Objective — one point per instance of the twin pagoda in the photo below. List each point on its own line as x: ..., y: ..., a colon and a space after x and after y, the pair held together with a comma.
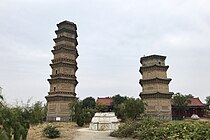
x: 155, y: 90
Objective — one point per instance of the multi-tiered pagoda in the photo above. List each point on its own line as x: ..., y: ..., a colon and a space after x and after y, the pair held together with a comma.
x: 64, y: 66
x: 155, y: 90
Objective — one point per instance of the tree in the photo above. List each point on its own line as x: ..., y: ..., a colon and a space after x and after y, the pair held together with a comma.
x: 1, y: 100
x: 180, y: 102
x: 189, y: 96
x: 37, y: 112
x: 100, y: 107
x: 82, y: 114
x: 118, y: 105
x: 207, y: 99
x: 89, y: 102
x: 15, y: 121
x: 133, y: 108
x: 117, y: 99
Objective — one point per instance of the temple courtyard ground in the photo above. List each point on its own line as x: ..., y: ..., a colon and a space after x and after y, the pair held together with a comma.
x: 69, y: 131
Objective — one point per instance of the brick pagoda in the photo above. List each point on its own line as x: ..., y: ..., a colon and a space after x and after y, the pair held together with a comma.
x: 64, y: 66
x: 155, y: 90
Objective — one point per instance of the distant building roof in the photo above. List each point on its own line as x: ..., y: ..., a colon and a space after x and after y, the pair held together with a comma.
x: 107, y: 101
x: 195, y: 102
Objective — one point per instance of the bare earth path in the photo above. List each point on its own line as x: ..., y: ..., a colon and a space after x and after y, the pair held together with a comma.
x: 69, y: 131
x: 86, y: 134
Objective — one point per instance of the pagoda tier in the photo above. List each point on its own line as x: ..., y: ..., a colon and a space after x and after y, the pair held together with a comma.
x: 58, y: 60
x: 65, y: 50
x: 64, y: 64
x: 152, y: 57
x: 64, y: 46
x: 73, y: 32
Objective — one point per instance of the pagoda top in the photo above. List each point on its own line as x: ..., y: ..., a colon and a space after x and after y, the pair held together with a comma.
x: 144, y: 58
x: 66, y: 24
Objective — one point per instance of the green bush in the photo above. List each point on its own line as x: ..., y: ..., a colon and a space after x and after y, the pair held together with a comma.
x: 51, y: 132
x: 125, y: 130
x: 154, y: 129
x: 80, y: 120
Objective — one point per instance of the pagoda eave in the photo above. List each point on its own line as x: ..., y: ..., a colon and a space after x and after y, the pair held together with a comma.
x: 62, y: 93
x: 59, y: 97
x: 64, y: 23
x: 64, y: 38
x: 152, y: 57
x: 63, y: 80
x: 154, y: 80
x: 57, y: 47
x: 65, y: 60
x: 156, y: 95
x: 153, y: 67
x: 63, y: 76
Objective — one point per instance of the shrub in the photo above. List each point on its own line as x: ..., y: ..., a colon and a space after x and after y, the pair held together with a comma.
x: 125, y: 130
x: 155, y: 130
x: 51, y: 132
x: 80, y: 120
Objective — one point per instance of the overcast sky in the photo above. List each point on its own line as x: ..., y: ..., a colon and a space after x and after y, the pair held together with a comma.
x: 112, y: 36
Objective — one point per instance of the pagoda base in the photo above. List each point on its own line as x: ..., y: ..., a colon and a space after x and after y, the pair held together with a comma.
x: 159, y: 116
x: 158, y: 108
x: 59, y: 108
x: 59, y: 119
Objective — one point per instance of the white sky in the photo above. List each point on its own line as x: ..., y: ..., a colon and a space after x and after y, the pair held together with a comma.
x: 112, y: 36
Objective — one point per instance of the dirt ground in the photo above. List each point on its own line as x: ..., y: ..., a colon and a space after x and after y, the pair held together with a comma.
x: 70, y: 131
x: 86, y: 134
x: 67, y: 130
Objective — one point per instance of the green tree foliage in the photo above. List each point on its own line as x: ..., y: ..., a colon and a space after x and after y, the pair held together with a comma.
x: 189, y: 96
x: 117, y: 99
x: 1, y: 100
x: 37, y: 113
x: 89, y: 102
x: 207, y: 99
x: 100, y: 107
x: 15, y: 121
x: 118, y: 105
x: 133, y: 108
x: 180, y: 102
x: 82, y: 114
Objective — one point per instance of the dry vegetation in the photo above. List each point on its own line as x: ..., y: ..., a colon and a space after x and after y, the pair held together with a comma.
x: 67, y: 131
